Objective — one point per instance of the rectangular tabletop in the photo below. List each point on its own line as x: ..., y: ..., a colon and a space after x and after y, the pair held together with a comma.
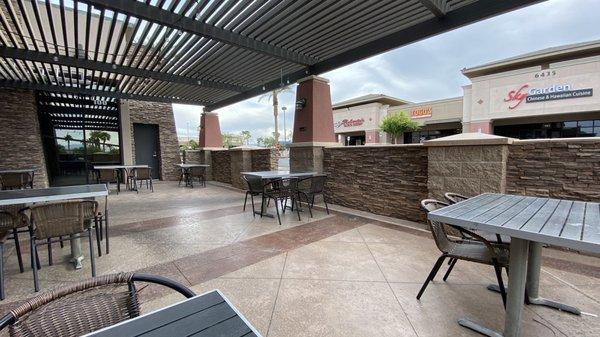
x: 566, y: 223
x: 279, y: 174
x: 25, y: 170
x: 209, y: 314
x: 14, y: 197
x: 191, y: 165
x: 117, y: 167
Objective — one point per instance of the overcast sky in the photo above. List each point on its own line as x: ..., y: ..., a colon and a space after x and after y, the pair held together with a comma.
x: 428, y: 69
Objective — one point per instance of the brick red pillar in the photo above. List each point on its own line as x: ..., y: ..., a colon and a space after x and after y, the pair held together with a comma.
x: 210, y: 131
x: 313, y: 125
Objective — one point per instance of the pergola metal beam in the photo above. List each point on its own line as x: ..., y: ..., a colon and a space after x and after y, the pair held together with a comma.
x: 177, y: 21
x: 437, y: 7
x: 93, y: 92
x: 459, y: 17
x: 30, y: 55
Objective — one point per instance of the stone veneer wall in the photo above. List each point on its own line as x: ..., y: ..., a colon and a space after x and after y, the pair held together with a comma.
x: 221, y: 166
x: 558, y: 168
x: 469, y: 170
x: 385, y: 180
x: 20, y: 139
x: 265, y: 160
x: 162, y: 115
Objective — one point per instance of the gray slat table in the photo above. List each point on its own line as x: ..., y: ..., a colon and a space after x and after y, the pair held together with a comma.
x: 530, y: 222
x: 209, y: 314
x: 16, y: 197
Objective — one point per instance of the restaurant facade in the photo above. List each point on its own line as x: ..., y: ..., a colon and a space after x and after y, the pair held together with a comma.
x: 551, y: 93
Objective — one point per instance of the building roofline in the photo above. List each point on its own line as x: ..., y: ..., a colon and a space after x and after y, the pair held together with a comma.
x: 547, y: 55
x: 370, y: 98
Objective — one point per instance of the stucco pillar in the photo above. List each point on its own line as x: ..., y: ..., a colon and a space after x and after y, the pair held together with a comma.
x: 313, y: 125
x: 210, y: 131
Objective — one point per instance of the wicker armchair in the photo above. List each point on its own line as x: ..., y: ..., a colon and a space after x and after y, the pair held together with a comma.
x: 49, y: 222
x: 93, y: 219
x: 198, y: 172
x: 280, y: 190
x: 142, y: 174
x: 255, y: 188
x: 7, y: 221
x: 310, y: 187
x: 477, y: 249
x: 84, y: 307
x: 107, y: 176
x: 15, y: 227
x: 16, y: 180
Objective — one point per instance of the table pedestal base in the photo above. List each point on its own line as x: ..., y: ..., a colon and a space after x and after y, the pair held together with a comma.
x: 469, y: 324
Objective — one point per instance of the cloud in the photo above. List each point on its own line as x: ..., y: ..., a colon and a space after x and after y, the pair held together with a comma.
x: 428, y: 69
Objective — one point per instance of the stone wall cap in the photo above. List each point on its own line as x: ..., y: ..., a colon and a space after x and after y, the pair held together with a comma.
x: 248, y: 148
x: 315, y: 144
x: 313, y: 77
x: 558, y: 140
x: 375, y: 145
x: 469, y: 138
x: 212, y: 149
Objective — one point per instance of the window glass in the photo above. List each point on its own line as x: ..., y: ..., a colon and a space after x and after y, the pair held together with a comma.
x: 570, y: 124
x: 586, y: 132
x: 585, y: 123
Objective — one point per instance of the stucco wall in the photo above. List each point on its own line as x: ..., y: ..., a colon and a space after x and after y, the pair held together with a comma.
x: 387, y: 180
x: 162, y: 115
x: 20, y: 139
x: 561, y: 168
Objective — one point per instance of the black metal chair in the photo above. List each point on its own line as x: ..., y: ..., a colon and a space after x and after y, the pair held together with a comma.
x: 142, y: 174
x: 310, y: 187
x: 83, y: 307
x: 107, y: 176
x: 477, y: 249
x: 198, y: 172
x: 255, y: 188
x: 16, y: 180
x: 280, y: 190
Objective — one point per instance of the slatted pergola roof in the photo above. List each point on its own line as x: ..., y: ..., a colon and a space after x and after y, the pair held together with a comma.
x: 208, y: 52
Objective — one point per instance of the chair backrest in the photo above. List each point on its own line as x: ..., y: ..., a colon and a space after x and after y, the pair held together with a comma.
x: 143, y: 173
x: 255, y: 184
x: 7, y: 221
x: 317, y: 184
x: 440, y: 237
x: 83, y: 307
x: 107, y: 175
x: 454, y: 198
x: 197, y: 171
x: 284, y: 186
x: 15, y: 180
x: 57, y: 219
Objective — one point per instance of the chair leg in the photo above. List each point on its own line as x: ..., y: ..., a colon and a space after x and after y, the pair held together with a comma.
x: 62, y: 244
x: 326, y: 207
x: 245, y: 200
x: 431, y: 275
x: 298, y: 208
x: 252, y: 201
x: 92, y: 254
x: 277, y: 210
x: 151, y: 186
x: 498, y: 271
x: 2, y: 295
x: 98, y: 231
x: 452, y: 263
x: 36, y: 281
x: 18, y: 249
x: 49, y: 252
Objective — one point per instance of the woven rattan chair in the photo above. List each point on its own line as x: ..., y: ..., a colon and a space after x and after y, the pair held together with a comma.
x: 197, y: 172
x: 83, y: 307
x: 7, y: 220
x: 255, y: 188
x: 16, y: 227
x: 477, y: 249
x: 454, y: 198
x: 142, y: 174
x: 310, y: 187
x: 15, y: 180
x: 107, y: 176
x: 93, y: 218
x: 50, y: 221
x: 280, y: 190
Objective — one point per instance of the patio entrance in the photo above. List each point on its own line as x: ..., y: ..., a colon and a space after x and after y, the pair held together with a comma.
x: 78, y: 132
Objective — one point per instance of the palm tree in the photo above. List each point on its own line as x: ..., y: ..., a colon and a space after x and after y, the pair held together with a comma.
x: 100, y: 136
x: 273, y: 95
x: 68, y: 138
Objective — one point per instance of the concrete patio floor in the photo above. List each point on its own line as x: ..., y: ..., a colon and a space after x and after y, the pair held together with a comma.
x: 332, y: 275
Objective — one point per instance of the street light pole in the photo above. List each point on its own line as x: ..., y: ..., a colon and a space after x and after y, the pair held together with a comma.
x: 284, y: 128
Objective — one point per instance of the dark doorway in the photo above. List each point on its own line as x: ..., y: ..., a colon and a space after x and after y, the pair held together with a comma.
x: 145, y: 137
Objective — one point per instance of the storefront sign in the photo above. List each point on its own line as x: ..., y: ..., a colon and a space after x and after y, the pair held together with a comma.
x: 347, y: 123
x: 421, y: 112
x: 551, y: 93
